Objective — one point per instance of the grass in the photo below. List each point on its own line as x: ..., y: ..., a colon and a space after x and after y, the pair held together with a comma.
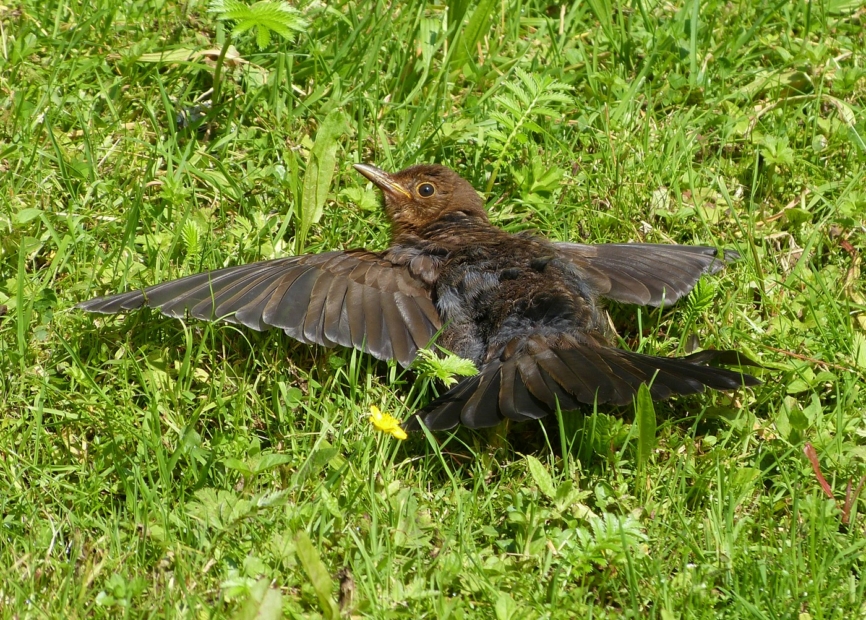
x: 151, y: 467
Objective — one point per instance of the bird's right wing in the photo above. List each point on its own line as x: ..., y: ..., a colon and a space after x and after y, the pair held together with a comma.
x: 644, y: 273
x: 530, y: 383
x: 354, y: 299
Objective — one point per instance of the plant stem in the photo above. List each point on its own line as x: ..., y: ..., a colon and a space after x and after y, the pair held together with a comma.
x: 492, y: 179
x: 217, y: 75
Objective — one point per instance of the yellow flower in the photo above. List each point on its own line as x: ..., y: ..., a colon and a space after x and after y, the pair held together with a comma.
x: 386, y: 423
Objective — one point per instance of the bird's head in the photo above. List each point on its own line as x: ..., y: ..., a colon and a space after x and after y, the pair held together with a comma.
x: 419, y: 195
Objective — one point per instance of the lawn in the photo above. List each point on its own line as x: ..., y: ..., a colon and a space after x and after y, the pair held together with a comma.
x: 151, y: 467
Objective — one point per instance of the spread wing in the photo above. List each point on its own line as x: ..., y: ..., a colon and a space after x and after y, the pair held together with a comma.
x: 529, y: 384
x: 645, y: 274
x: 354, y: 299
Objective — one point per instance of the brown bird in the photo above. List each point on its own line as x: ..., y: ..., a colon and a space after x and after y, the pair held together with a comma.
x: 524, y: 309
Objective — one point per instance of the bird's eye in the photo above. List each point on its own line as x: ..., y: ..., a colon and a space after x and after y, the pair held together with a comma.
x: 425, y: 190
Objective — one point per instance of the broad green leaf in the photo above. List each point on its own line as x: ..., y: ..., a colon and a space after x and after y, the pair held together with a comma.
x: 781, y: 420
x: 331, y: 503
x: 541, y: 477
x: 505, y: 608
x: 798, y: 419
x: 318, y: 575
x: 745, y: 476
x: 189, y: 55
x: 645, y: 418
x: 269, y: 461
x: 271, y: 498
x: 846, y: 113
x: 182, y: 54
x: 25, y: 215
x: 860, y: 350
x: 320, y: 171
x: 239, y: 466
x: 263, y: 603
x: 804, y: 381
x: 314, y: 463
x: 813, y: 410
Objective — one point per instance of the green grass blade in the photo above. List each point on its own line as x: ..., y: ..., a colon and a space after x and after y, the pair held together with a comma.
x: 645, y: 420
x: 467, y: 39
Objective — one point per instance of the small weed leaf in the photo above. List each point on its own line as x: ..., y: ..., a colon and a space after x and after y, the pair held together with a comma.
x: 444, y: 368
x: 191, y: 236
x: 699, y: 301
x: 265, y: 17
x: 517, y: 112
x: 610, y: 539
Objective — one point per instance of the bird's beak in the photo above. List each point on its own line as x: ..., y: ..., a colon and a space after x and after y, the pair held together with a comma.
x: 383, y: 180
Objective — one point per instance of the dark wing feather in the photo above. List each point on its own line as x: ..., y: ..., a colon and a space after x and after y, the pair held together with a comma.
x: 444, y: 412
x: 534, y: 382
x: 482, y: 408
x: 402, y: 344
x: 353, y: 298
x: 538, y: 376
x: 417, y: 322
x: 377, y: 337
x: 313, y: 324
x: 515, y: 400
x: 333, y: 312
x: 292, y: 309
x: 644, y: 273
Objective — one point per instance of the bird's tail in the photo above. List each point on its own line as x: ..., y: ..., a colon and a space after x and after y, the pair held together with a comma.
x: 528, y: 384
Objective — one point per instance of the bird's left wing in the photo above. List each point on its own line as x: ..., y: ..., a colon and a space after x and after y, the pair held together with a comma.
x: 549, y: 372
x: 644, y: 273
x: 354, y: 299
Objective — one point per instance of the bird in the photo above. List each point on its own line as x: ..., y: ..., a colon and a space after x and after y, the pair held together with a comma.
x: 528, y: 311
